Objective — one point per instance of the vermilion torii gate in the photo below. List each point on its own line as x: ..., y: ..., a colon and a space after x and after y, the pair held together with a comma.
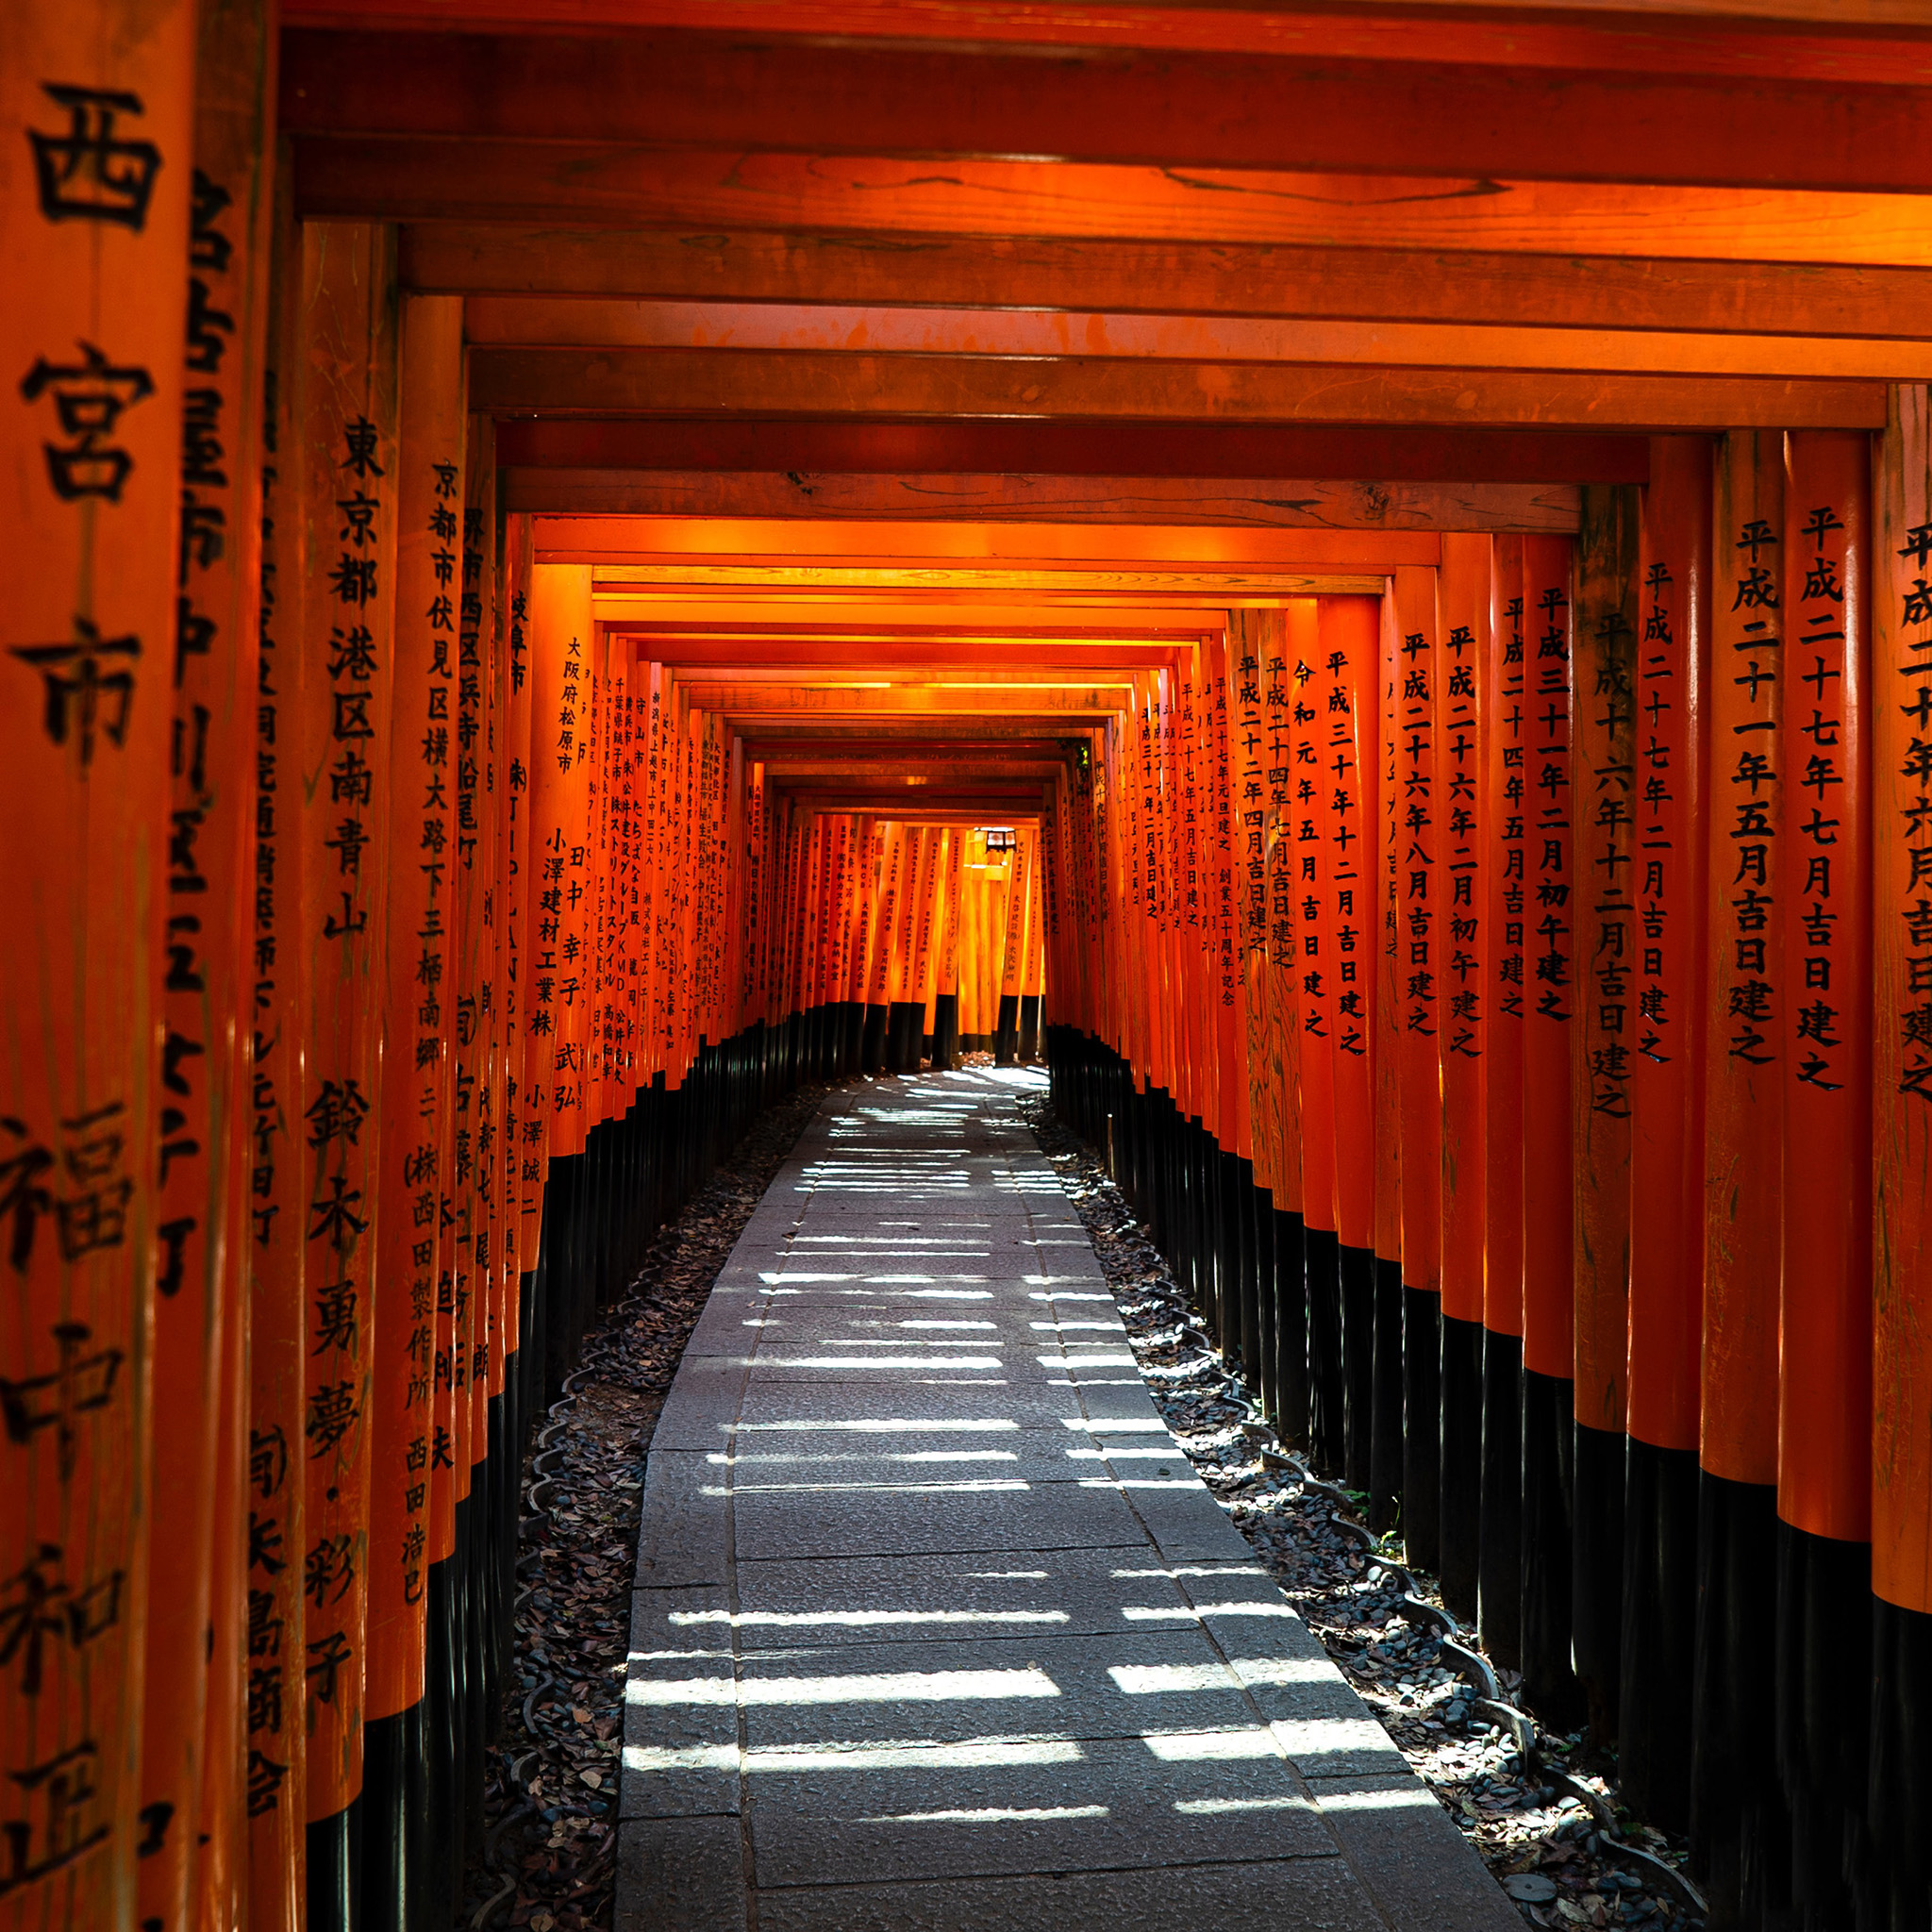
x: 545, y: 538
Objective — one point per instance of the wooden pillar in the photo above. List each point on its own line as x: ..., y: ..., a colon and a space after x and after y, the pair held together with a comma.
x: 1901, y: 1785
x: 1385, y: 1448
x: 347, y: 460
x: 96, y: 112
x: 1348, y: 634
x: 1604, y: 723
x: 1551, y: 995
x: 1503, y: 896
x: 1825, y: 1418
x: 1461, y: 852
x: 398, y: 1843
x: 278, y: 1101
x: 560, y: 642
x: 1668, y: 879
x: 1307, y: 696
x: 1735, y: 1800
x: 1284, y: 1005
x: 1422, y: 945
x: 194, y: 1756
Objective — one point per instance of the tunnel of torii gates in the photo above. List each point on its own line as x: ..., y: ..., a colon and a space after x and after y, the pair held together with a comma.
x: 525, y: 638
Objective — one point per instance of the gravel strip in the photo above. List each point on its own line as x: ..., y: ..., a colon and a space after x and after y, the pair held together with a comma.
x: 1549, y: 1853
x: 550, y: 1803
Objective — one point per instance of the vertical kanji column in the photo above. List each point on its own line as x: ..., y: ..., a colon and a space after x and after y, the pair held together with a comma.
x: 346, y: 462
x: 1901, y: 1790
x: 1734, y: 1799
x: 398, y: 1845
x: 1551, y: 995
x: 1423, y: 935
x: 1604, y: 715
x: 96, y: 115
x: 1824, y: 915
x: 1502, y: 676
x: 1667, y: 876
x: 1461, y: 847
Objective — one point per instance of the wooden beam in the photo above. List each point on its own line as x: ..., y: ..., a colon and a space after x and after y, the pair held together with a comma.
x: 1222, y: 504
x: 385, y: 177
x: 1124, y: 275
x: 635, y: 609
x: 1722, y: 37
x: 728, y: 657
x: 901, y: 329
x: 1313, y: 112
x: 630, y: 549
x: 759, y: 382
x: 806, y: 450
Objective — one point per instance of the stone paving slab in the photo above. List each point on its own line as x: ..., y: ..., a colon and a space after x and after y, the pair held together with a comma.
x: 936, y: 1629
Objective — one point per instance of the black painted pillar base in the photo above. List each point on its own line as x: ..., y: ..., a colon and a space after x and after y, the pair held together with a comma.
x: 873, y: 1050
x: 1267, y: 1312
x: 395, y: 1842
x: 1290, y: 1414
x: 905, y: 1018
x: 333, y: 1901
x: 1385, y: 1427
x: 1660, y: 1632
x: 1900, y: 1812
x: 1499, y: 1566
x: 1327, y: 1409
x: 1549, y: 1476
x: 1006, y: 1036
x: 1421, y: 1425
x: 1461, y: 1522
x: 1823, y: 1718
x: 1230, y: 1257
x: 1355, y: 1267
x: 1030, y: 1005
x: 1738, y: 1833
x: 1596, y: 1576
x: 945, y: 1030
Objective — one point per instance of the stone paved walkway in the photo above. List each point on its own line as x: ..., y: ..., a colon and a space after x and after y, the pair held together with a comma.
x: 935, y: 1628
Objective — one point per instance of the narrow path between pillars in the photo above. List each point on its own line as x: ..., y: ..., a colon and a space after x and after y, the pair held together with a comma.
x: 934, y: 1625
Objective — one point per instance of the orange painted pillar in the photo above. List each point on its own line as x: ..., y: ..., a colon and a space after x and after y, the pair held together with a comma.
x: 1386, y: 1447
x: 527, y: 1115
x: 1735, y: 1800
x: 1424, y: 948
x: 1668, y: 882
x: 277, y: 1100
x: 346, y: 460
x: 1902, y: 1086
x: 192, y: 1755
x: 1308, y: 688
x: 1503, y: 679
x: 1461, y: 854
x: 234, y: 79
x: 400, y: 1318
x: 1551, y: 994
x: 1604, y: 717
x: 1348, y: 634
x: 559, y: 642
x: 1247, y: 752
x: 96, y: 110
x: 1824, y: 1418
